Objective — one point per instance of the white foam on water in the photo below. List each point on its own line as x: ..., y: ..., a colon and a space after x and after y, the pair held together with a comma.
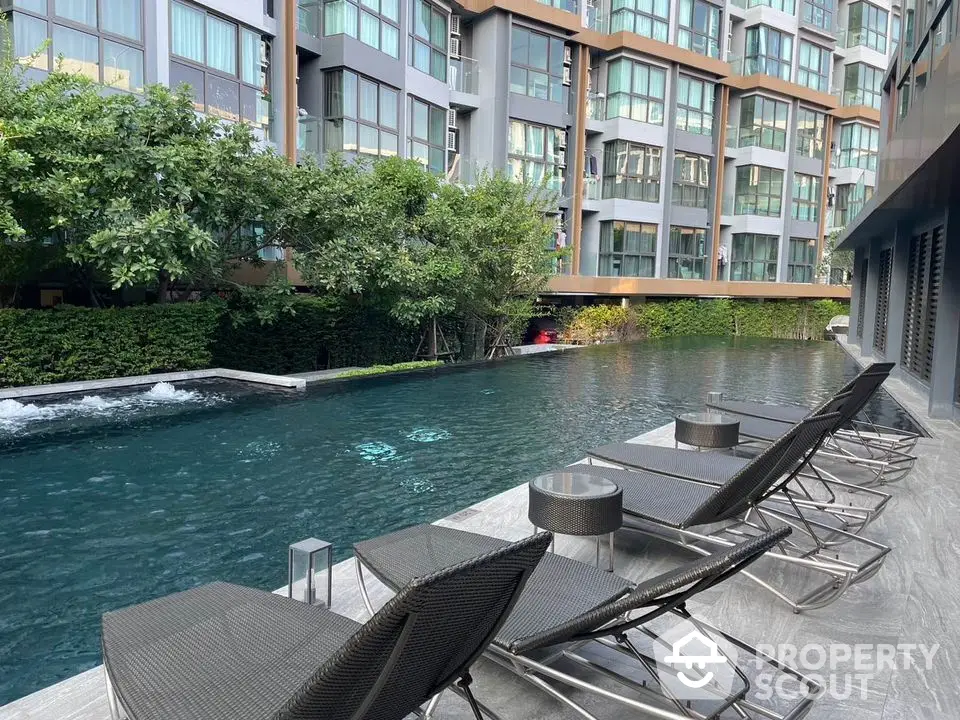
x: 16, y: 415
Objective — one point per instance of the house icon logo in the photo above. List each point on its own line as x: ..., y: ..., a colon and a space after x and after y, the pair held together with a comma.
x: 692, y: 665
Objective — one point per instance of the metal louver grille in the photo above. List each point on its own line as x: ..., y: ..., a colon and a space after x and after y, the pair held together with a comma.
x: 883, y: 301
x: 924, y: 280
x: 863, y: 298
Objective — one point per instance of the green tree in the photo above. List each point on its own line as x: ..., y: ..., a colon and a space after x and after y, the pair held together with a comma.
x: 834, y: 259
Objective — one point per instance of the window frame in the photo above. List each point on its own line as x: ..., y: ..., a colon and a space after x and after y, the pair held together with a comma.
x: 785, y: 6
x: 814, y: 78
x: 682, y: 187
x: 860, y: 91
x: 553, y: 70
x: 759, y: 63
x: 811, y: 144
x: 615, y: 183
x: 805, y: 197
x: 553, y: 171
x: 688, y: 34
x: 647, y: 233
x: 357, y: 117
x: 637, y: 99
x: 757, y: 128
x: 360, y: 7
x: 434, y: 50
x: 677, y: 258
x: 868, y: 33
x: 859, y: 153
x: 750, y: 202
x: 803, y: 261
x: 426, y: 141
x: 659, y: 24
x: 685, y: 110
x: 818, y: 13
x: 740, y: 261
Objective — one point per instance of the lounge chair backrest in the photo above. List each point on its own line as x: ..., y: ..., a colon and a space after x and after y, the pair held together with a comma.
x: 421, y: 641
x: 786, y: 455
x: 876, y: 368
x: 661, y: 594
x: 863, y: 388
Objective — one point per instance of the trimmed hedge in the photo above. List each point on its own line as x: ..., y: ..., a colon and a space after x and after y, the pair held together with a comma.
x: 800, y: 320
x: 72, y: 343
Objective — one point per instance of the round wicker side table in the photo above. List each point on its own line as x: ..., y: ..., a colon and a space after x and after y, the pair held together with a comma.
x: 574, y: 503
x: 707, y: 430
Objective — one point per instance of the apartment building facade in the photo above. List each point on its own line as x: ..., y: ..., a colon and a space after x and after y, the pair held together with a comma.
x: 695, y: 147
x: 905, y: 305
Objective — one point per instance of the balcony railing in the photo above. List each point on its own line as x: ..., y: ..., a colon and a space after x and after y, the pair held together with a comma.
x: 308, y: 136
x: 733, y: 136
x: 570, y: 6
x: 596, y: 107
x: 308, y: 17
x: 598, y: 21
x: 726, y: 207
x: 464, y: 75
x: 736, y: 63
x: 591, y: 188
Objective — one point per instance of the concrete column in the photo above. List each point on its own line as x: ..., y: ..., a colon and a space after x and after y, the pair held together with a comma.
x: 858, y: 256
x: 898, y: 294
x: 666, y: 183
x: 870, y: 310
x: 786, y: 202
x: 943, y: 380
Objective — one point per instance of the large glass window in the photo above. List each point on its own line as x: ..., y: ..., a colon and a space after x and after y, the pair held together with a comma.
x: 648, y: 18
x: 763, y: 123
x: 687, y: 253
x: 187, y: 32
x: 691, y: 180
x: 428, y: 129
x: 694, y: 105
x: 635, y: 90
x: 806, y: 197
x: 428, y: 41
x: 536, y: 65
x: 786, y: 6
x: 122, y: 66
x: 534, y: 154
x: 813, y: 67
x: 374, y: 22
x: 222, y: 45
x: 819, y: 13
x: 29, y: 35
x: 699, y: 28
x: 121, y: 17
x: 627, y: 249
x: 867, y: 26
x: 359, y: 115
x: 80, y: 11
x: 631, y: 171
x: 768, y: 52
x: 759, y: 191
x: 754, y: 257
x: 859, y: 145
x: 80, y: 52
x: 811, y: 129
x: 801, y: 260
x: 862, y: 85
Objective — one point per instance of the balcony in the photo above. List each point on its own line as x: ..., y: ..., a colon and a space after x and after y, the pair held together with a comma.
x: 463, y: 78
x: 598, y: 21
x: 733, y: 140
x: 308, y: 138
x: 737, y: 10
x: 569, y: 6
x: 464, y: 171
x: 596, y: 112
x: 591, y: 193
x: 308, y: 17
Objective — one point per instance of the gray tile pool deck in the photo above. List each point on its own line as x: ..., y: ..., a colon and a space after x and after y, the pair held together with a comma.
x: 913, y: 599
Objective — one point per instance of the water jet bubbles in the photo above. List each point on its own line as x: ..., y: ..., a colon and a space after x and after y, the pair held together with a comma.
x: 376, y: 452
x: 487, y: 391
x: 417, y: 486
x: 428, y: 435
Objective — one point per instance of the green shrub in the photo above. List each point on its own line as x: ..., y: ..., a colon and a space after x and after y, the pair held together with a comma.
x: 600, y: 323
x: 396, y: 367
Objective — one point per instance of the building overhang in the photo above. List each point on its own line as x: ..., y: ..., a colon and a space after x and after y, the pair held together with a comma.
x: 674, y: 287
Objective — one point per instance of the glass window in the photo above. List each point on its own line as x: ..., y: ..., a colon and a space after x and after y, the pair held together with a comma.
x: 786, y: 6
x: 536, y: 65
x: 687, y: 253
x: 375, y: 24
x: 862, y: 85
x: 428, y: 130
x: 903, y: 98
x: 359, y: 115
x: 754, y: 257
x: 648, y: 18
x: 122, y: 66
x: 921, y: 69
x: 37, y: 6
x: 768, y: 52
x: 763, y: 123
x: 867, y: 26
x: 81, y: 11
x: 813, y: 67
x: 635, y: 90
x: 801, y: 260
x: 806, y: 197
x: 79, y: 51
x: 818, y: 13
x: 250, y: 62
x: 811, y: 128
x: 759, y: 191
x: 859, y: 145
x: 121, y: 17
x: 187, y: 32
x: 631, y: 171
x: 428, y: 42
x: 895, y: 31
x: 534, y: 154
x: 694, y: 105
x: 29, y: 35
x: 699, y: 28
x: 221, y: 45
x: 691, y: 180
x: 627, y: 249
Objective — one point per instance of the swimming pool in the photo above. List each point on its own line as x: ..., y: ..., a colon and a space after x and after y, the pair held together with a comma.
x: 134, y: 497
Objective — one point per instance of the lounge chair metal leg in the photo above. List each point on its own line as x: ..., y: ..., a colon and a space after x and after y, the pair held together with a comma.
x: 111, y: 697
x: 363, y: 588
x: 464, y: 684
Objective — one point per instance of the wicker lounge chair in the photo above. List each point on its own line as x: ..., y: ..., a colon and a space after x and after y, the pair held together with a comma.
x: 225, y: 651
x: 572, y: 611
x: 702, y: 516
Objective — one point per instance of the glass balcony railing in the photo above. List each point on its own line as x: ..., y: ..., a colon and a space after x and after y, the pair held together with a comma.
x: 736, y: 63
x: 733, y: 136
x: 598, y: 21
x: 742, y: 4
x: 308, y: 136
x: 464, y: 75
x: 726, y: 207
x: 596, y: 107
x: 308, y: 17
x: 570, y: 6
x: 591, y: 188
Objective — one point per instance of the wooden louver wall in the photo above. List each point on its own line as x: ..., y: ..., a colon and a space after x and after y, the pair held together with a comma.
x: 924, y: 280
x: 863, y: 298
x: 883, y: 301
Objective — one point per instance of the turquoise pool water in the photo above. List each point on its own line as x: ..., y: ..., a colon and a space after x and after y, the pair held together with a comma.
x: 113, y: 500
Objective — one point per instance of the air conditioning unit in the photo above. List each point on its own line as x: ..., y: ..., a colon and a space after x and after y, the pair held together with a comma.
x: 264, y: 55
x: 567, y: 74
x: 560, y: 140
x: 455, y: 25
x: 454, y: 47
x: 452, y: 140
x: 452, y: 119
x: 567, y: 55
x: 562, y: 158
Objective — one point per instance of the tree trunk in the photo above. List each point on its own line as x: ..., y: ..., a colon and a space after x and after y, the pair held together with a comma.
x: 163, y: 286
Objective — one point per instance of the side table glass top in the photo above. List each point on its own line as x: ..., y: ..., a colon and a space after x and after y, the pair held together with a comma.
x: 708, y: 418
x: 570, y: 483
